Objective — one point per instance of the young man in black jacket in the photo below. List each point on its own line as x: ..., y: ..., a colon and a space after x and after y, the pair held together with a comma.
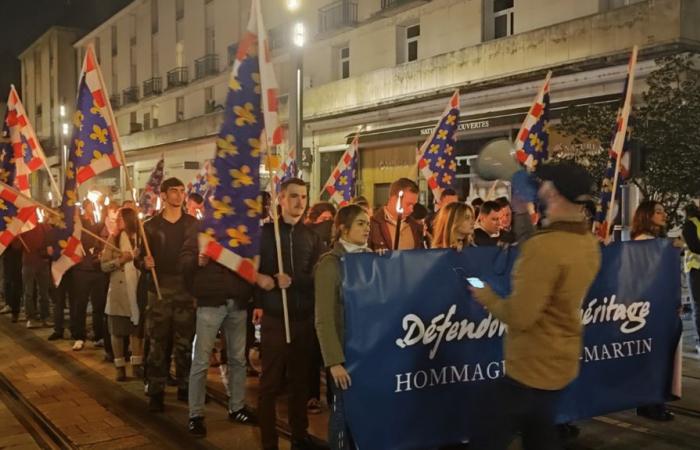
x: 300, y: 251
x: 172, y: 236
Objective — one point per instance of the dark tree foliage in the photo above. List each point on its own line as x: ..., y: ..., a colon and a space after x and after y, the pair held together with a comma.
x: 666, y: 126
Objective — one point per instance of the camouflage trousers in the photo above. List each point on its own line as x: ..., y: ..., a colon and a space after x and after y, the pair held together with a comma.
x: 171, y: 318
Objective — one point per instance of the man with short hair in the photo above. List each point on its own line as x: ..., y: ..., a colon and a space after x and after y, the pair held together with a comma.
x: 172, y: 236
x: 195, y: 205
x: 488, y: 230
x: 507, y: 234
x: 383, y: 223
x: 300, y: 248
x: 551, y: 276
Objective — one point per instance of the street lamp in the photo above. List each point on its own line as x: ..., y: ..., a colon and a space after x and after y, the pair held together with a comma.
x: 298, y: 37
x: 63, y: 157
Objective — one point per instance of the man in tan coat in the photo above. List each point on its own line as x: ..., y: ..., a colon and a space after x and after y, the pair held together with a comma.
x: 551, y: 277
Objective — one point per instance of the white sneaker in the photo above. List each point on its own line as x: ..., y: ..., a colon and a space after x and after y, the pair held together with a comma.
x: 32, y: 325
x: 6, y: 309
x: 78, y: 345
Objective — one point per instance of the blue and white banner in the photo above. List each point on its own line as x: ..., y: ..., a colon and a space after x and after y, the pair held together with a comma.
x: 420, y: 350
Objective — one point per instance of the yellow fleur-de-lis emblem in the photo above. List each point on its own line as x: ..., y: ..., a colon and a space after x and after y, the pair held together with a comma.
x: 254, y: 206
x: 343, y: 180
x: 442, y: 134
x: 63, y: 244
x: 213, y: 180
x: 3, y: 206
x: 96, y: 155
x: 234, y: 84
x: 79, y: 144
x: 70, y: 173
x: 434, y: 148
x: 447, y: 179
x: 535, y: 142
x: 99, y: 134
x: 72, y: 197
x: 239, y: 236
x: 210, y: 232
x: 222, y: 208
x: 95, y: 109
x: 78, y: 120
x: 226, y: 146
x: 241, y: 177
x: 448, y: 150
x: 451, y: 119
x: 254, y: 147
x: 441, y: 163
x: 245, y: 114
x: 453, y: 166
x: 256, y: 79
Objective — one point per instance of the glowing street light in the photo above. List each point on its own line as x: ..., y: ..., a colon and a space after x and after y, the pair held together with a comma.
x: 65, y: 129
x: 299, y: 34
x: 293, y: 5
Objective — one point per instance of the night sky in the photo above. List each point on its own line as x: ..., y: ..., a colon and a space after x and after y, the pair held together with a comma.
x: 23, y: 21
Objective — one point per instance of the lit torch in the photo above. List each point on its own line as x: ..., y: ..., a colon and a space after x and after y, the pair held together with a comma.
x: 94, y: 197
x: 399, y: 217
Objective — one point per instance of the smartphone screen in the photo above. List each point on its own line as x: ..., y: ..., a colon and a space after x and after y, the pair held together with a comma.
x: 477, y: 283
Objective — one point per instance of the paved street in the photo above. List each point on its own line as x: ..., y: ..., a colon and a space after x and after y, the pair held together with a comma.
x: 76, y: 394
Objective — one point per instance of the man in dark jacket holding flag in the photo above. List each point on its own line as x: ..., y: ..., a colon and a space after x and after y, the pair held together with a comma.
x: 301, y: 249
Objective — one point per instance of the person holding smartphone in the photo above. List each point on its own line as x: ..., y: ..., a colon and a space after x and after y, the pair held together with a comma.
x: 551, y: 276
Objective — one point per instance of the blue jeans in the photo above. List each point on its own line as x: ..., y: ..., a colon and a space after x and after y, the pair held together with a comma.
x: 339, y: 437
x: 232, y: 320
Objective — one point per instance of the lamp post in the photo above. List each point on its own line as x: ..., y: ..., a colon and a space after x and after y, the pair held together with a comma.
x: 296, y: 117
x: 62, y: 148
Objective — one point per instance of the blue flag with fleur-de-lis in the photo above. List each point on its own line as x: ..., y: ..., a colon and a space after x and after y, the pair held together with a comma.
x: 231, y: 225
x: 148, y: 202
x: 93, y: 150
x: 437, y: 161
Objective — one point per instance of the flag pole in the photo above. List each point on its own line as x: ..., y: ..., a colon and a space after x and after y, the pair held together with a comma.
x: 129, y: 184
x: 280, y: 261
x: 619, y: 143
x: 55, y: 213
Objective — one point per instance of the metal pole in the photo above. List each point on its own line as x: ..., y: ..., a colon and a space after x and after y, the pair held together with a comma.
x: 300, y: 105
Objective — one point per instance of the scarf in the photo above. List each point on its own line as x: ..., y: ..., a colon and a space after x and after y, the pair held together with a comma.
x: 353, y: 248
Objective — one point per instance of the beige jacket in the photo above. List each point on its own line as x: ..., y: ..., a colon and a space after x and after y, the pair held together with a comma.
x: 550, y: 279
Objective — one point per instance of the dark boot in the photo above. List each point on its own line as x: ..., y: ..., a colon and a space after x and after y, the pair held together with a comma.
x: 156, y: 403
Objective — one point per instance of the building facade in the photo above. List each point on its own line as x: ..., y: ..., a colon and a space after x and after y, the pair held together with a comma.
x: 48, y: 90
x: 387, y: 65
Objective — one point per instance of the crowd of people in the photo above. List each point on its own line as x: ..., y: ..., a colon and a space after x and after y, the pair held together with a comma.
x: 177, y: 321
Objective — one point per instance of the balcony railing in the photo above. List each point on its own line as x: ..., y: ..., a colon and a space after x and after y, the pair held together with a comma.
x: 388, y: 4
x: 130, y: 95
x: 206, y: 65
x: 115, y: 101
x: 177, y: 77
x: 337, y: 15
x: 154, y: 86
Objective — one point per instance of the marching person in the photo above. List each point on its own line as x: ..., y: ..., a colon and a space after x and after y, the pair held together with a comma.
x: 222, y: 303
x: 488, y: 229
x: 300, y: 248
x: 649, y: 222
x: 551, y: 276
x: 122, y: 309
x: 89, y: 283
x: 454, y: 227
x: 383, y: 224
x: 36, y: 273
x: 691, y: 236
x: 351, y: 233
x: 172, y: 236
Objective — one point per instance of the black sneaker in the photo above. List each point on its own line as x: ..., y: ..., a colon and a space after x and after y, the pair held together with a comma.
x: 55, y: 336
x: 183, y: 395
x: 307, y: 443
x: 156, y: 403
x: 244, y: 416
x: 196, y: 427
